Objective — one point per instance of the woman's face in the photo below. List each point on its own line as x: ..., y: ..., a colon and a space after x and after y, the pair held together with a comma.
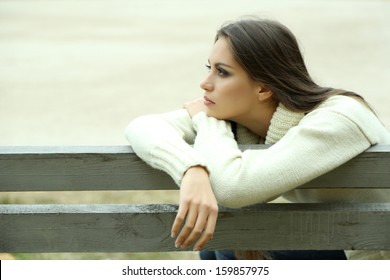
x: 230, y: 94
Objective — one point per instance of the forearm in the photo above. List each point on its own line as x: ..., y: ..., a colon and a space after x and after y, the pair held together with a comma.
x: 162, y: 142
x: 304, y: 153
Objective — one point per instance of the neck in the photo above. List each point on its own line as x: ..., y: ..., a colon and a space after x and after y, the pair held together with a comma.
x: 258, y: 120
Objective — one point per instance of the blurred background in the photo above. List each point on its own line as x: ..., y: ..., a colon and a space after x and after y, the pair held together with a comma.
x: 76, y: 72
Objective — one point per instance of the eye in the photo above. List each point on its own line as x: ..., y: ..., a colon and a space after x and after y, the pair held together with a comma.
x: 222, y: 72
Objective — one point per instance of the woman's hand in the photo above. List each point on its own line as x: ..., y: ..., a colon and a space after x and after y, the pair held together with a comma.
x: 197, y: 208
x: 195, y: 106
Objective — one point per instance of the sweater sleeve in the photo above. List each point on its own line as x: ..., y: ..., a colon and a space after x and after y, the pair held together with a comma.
x: 163, y: 141
x: 322, y: 141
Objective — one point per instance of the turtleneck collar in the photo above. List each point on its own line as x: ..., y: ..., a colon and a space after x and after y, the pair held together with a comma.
x: 282, y: 120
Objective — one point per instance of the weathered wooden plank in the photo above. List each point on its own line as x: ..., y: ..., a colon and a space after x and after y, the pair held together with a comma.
x: 118, y: 168
x: 77, y: 168
x: 146, y: 228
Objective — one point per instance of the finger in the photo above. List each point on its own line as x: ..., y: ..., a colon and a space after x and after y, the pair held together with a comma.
x: 208, y: 233
x: 188, y: 226
x: 180, y: 217
x: 206, y: 236
x: 192, y: 102
x: 185, y: 105
x: 197, y: 230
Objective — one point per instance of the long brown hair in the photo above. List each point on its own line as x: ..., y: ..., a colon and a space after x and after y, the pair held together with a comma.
x: 270, y: 54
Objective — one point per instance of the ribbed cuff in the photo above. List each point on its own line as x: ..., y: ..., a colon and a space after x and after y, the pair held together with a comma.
x: 176, y: 160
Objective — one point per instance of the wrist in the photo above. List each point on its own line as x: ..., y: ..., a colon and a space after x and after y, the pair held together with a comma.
x: 197, y: 170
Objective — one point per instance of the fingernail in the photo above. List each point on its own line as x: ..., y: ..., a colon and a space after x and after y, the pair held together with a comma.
x: 177, y: 245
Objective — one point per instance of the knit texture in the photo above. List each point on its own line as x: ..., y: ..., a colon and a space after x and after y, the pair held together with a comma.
x: 162, y: 141
x: 281, y: 122
x: 304, y: 147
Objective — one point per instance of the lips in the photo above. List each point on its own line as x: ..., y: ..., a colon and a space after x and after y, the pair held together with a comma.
x: 208, y: 100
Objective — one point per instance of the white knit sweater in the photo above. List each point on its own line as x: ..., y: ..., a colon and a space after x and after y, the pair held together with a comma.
x: 303, y: 148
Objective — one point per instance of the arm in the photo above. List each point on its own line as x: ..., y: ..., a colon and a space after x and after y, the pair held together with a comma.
x: 198, y: 208
x: 163, y: 140
x: 322, y: 141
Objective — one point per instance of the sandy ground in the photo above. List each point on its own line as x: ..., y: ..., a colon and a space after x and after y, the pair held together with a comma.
x: 76, y: 72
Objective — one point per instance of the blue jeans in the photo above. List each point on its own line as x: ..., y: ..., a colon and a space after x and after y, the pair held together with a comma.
x: 279, y: 255
x: 217, y: 255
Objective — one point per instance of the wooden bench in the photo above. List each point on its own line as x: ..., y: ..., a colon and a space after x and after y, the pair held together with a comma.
x: 146, y: 228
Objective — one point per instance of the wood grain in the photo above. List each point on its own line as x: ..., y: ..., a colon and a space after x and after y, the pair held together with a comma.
x: 119, y: 168
x: 146, y: 228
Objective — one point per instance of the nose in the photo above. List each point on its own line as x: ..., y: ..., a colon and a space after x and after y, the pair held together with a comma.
x: 206, y: 84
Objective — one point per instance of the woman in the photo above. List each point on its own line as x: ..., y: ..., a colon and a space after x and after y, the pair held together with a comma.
x: 258, y: 90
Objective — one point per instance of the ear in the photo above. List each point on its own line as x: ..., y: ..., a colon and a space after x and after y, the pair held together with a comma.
x: 264, y: 94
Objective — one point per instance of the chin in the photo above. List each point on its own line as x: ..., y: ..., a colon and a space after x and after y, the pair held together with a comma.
x: 211, y: 114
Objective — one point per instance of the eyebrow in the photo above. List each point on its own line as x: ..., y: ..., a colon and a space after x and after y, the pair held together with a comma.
x: 221, y: 64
